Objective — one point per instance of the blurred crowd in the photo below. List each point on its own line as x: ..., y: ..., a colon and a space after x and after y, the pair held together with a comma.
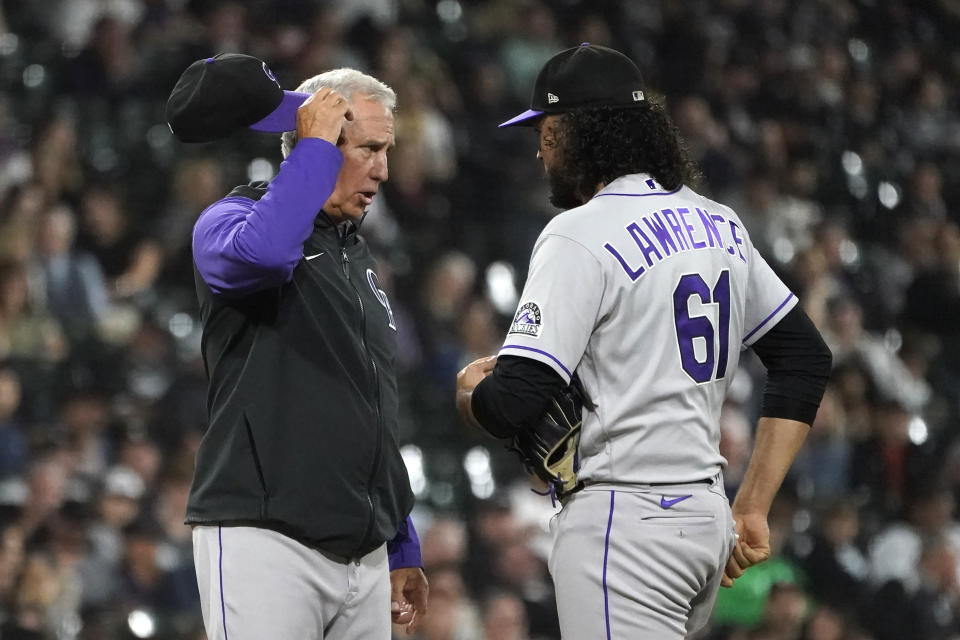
x: 830, y: 126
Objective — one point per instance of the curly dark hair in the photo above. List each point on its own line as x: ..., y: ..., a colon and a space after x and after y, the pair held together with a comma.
x: 600, y: 144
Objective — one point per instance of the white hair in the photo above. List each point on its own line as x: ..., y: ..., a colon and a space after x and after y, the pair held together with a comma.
x: 349, y: 82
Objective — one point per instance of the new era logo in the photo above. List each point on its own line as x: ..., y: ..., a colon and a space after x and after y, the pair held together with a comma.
x: 638, y: 96
x: 552, y: 98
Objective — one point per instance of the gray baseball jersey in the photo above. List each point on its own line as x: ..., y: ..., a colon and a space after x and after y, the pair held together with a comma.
x: 649, y: 295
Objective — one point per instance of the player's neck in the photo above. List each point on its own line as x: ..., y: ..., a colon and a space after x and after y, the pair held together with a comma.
x: 600, y: 185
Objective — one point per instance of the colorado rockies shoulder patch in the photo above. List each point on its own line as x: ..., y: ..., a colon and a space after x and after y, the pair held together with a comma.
x: 527, y: 320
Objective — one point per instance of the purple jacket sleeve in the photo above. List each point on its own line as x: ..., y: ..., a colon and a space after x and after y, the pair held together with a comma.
x: 404, y: 549
x: 241, y: 245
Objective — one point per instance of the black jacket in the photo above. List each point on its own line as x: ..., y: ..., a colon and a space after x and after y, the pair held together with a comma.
x: 303, y: 403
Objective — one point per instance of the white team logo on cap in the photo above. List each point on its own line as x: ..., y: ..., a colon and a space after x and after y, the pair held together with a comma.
x: 269, y: 73
x: 552, y: 98
x: 527, y: 320
x: 638, y: 96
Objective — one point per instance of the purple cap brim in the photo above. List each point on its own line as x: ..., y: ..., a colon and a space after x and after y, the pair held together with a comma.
x: 521, y: 119
x: 284, y: 117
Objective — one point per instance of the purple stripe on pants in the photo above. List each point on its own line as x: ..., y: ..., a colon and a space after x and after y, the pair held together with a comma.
x: 223, y: 604
x: 606, y: 551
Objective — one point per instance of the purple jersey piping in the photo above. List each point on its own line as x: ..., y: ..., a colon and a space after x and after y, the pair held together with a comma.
x: 540, y: 351
x: 767, y: 319
x: 639, y: 195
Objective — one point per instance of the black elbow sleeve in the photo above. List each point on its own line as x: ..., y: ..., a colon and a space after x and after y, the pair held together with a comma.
x: 516, y: 393
x: 798, y: 364
x: 485, y: 405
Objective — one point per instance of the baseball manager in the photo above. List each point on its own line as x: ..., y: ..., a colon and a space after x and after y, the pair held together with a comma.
x: 300, y: 498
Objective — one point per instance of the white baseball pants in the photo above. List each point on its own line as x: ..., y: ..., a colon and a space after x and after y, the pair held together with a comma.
x: 640, y: 562
x: 257, y: 584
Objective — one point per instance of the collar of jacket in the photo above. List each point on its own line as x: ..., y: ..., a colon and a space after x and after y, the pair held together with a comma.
x: 346, y: 231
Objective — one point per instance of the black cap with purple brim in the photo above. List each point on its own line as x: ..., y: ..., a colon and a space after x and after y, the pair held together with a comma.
x: 586, y: 76
x: 218, y: 96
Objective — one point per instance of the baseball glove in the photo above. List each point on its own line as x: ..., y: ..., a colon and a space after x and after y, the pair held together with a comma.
x: 548, y: 447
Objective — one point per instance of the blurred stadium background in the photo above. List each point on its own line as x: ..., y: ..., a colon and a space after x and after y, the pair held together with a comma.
x: 831, y: 126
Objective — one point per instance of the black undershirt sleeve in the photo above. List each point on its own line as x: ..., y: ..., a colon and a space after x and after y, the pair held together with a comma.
x: 513, y: 395
x: 798, y: 366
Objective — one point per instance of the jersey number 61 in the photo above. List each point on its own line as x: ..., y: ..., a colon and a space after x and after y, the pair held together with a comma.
x: 689, y: 328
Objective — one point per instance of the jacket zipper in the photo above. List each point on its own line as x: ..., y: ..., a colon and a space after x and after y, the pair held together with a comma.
x: 345, y: 263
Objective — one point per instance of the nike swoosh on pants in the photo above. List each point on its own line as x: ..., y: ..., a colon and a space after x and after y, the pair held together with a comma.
x: 667, y: 503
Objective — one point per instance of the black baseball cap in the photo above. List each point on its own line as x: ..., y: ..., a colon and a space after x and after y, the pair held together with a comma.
x: 217, y: 96
x: 586, y: 76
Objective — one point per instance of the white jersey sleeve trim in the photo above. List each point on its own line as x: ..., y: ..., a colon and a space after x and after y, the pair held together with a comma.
x: 539, y: 355
x: 771, y: 320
